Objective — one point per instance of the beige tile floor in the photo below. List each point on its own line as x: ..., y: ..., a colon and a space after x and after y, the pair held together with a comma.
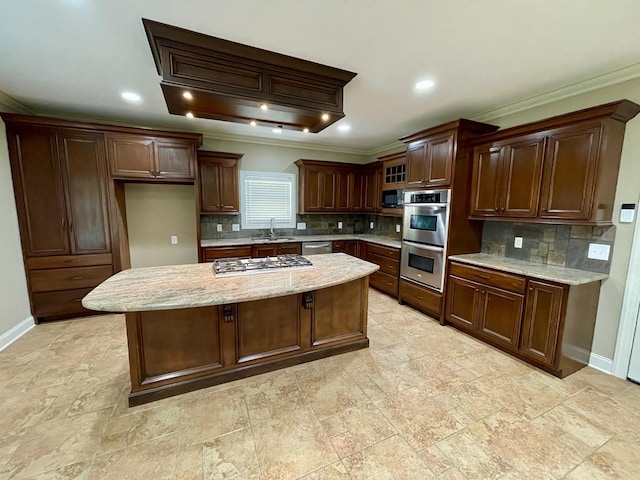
x: 423, y: 402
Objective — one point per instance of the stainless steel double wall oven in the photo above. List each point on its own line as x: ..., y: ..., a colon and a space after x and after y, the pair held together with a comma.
x: 424, y: 238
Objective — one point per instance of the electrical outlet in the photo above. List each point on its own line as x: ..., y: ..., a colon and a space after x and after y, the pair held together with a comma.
x: 370, y: 224
x: 339, y: 225
x: 301, y: 226
x: 397, y: 228
x: 219, y: 227
x: 599, y: 251
x: 517, y: 242
x: 174, y: 239
x: 235, y: 227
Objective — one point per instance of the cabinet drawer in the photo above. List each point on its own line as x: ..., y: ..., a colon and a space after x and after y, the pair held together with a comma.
x: 66, y: 302
x: 64, y: 261
x: 494, y: 278
x: 384, y: 251
x: 386, y: 283
x: 210, y: 254
x: 387, y: 265
x: 424, y: 299
x: 68, y: 278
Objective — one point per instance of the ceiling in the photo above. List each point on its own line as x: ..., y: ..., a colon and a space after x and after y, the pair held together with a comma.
x: 75, y: 57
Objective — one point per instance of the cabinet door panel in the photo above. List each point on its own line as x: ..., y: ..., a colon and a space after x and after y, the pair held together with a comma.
x: 290, y: 249
x: 257, y: 339
x: 83, y: 160
x: 328, y: 186
x: 522, y: 178
x: 342, y: 190
x: 175, y: 160
x: 209, y: 187
x: 500, y: 314
x: 439, y: 161
x: 461, y: 305
x: 39, y: 191
x: 312, y: 190
x: 131, y: 156
x: 570, y: 167
x: 540, y: 326
x: 337, y: 313
x: 262, y: 251
x: 372, y: 193
x: 229, y: 196
x: 416, y: 164
x: 356, y: 190
x: 485, y: 190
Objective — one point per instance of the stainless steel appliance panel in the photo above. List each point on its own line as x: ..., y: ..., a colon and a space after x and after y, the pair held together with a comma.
x: 313, y: 248
x: 423, y: 264
x: 426, y: 223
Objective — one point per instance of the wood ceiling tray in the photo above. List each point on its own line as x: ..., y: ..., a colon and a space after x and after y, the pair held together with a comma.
x: 230, y: 81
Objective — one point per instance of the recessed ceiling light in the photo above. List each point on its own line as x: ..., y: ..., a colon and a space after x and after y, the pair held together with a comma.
x: 278, y: 129
x: 253, y: 123
x: 425, y: 84
x: 187, y: 95
x: 264, y: 107
x: 131, y: 97
x: 325, y: 117
x: 305, y: 130
x: 344, y: 127
x: 189, y: 115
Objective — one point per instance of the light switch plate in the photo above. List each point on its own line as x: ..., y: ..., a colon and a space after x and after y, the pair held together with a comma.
x: 174, y: 239
x: 627, y: 212
x: 301, y: 226
x: 339, y: 225
x: 599, y: 251
x: 219, y: 227
x: 397, y: 228
x: 370, y: 224
x: 517, y: 242
x: 235, y: 227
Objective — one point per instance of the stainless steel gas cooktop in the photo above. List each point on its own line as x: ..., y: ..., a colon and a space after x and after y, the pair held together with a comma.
x: 229, y: 267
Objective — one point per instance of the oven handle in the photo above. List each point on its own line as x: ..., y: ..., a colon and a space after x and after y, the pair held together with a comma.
x: 424, y: 246
x: 427, y: 205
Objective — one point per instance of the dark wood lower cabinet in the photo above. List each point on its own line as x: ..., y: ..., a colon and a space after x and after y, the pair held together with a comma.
x: 387, y: 258
x: 422, y: 298
x: 547, y: 324
x: 176, y: 351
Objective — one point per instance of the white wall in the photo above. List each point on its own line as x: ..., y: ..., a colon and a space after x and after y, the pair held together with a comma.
x: 628, y: 191
x: 14, y: 297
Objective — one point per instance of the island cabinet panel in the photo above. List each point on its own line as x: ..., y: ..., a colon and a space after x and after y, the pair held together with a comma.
x: 258, y: 339
x: 338, y: 313
x: 209, y: 254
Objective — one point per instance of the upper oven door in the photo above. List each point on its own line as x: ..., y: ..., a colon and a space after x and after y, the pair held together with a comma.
x: 425, y: 223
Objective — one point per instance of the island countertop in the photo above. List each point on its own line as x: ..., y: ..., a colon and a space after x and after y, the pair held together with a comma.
x: 189, y: 286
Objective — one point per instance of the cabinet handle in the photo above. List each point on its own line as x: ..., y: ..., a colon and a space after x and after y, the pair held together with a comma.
x: 76, y: 278
x: 483, y: 292
x: 484, y: 276
x: 71, y: 225
x: 419, y: 297
x: 544, y: 209
x: 531, y: 289
x: 502, y: 209
x: 496, y: 209
x: 71, y: 261
x: 62, y: 223
x: 151, y: 173
x: 477, y: 289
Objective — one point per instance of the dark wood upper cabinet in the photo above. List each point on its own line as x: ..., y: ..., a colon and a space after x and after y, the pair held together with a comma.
x: 559, y: 170
x: 429, y: 161
x: 394, y: 171
x: 337, y: 187
x: 507, y: 178
x: 570, y: 173
x: 218, y: 182
x: 157, y: 158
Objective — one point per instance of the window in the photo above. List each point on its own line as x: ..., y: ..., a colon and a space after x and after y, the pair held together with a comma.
x: 266, y: 195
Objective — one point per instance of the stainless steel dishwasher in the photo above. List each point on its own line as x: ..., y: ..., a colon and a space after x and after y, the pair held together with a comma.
x: 312, y: 248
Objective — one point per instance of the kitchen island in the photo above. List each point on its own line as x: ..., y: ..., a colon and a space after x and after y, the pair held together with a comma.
x: 188, y: 329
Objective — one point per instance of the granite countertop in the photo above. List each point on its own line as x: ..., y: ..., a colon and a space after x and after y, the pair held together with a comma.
x: 568, y: 276
x: 187, y: 286
x: 234, y: 242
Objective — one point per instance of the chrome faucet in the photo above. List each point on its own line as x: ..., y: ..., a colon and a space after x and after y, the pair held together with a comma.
x: 272, y: 234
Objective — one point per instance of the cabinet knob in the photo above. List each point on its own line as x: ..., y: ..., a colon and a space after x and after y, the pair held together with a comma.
x: 544, y: 209
x: 62, y: 223
x: 496, y: 209
x: 531, y: 289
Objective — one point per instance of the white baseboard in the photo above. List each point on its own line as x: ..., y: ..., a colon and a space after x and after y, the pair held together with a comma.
x: 16, y: 332
x: 601, y: 363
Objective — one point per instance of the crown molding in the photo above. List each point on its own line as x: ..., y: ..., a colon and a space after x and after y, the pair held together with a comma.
x: 630, y: 72
x: 283, y: 143
x: 386, y: 148
x: 10, y: 104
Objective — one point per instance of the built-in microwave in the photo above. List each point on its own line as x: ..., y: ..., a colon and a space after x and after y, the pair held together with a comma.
x: 392, y: 198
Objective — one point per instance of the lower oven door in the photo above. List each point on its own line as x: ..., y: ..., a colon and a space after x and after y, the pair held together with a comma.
x: 423, y: 264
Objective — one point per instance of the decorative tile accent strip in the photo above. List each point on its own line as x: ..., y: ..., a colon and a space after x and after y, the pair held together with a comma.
x: 560, y: 245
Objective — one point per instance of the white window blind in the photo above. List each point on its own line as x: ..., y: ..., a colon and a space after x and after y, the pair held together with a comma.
x: 266, y: 195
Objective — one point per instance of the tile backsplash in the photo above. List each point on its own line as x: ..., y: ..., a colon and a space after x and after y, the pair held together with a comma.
x: 562, y: 245
x: 317, y: 224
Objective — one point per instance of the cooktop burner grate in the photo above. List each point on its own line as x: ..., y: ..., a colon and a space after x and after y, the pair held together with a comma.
x: 228, y: 267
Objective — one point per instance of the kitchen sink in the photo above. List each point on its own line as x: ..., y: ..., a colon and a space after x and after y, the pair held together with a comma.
x: 271, y: 239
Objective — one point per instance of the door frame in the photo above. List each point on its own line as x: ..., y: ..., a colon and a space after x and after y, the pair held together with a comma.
x: 630, y: 313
